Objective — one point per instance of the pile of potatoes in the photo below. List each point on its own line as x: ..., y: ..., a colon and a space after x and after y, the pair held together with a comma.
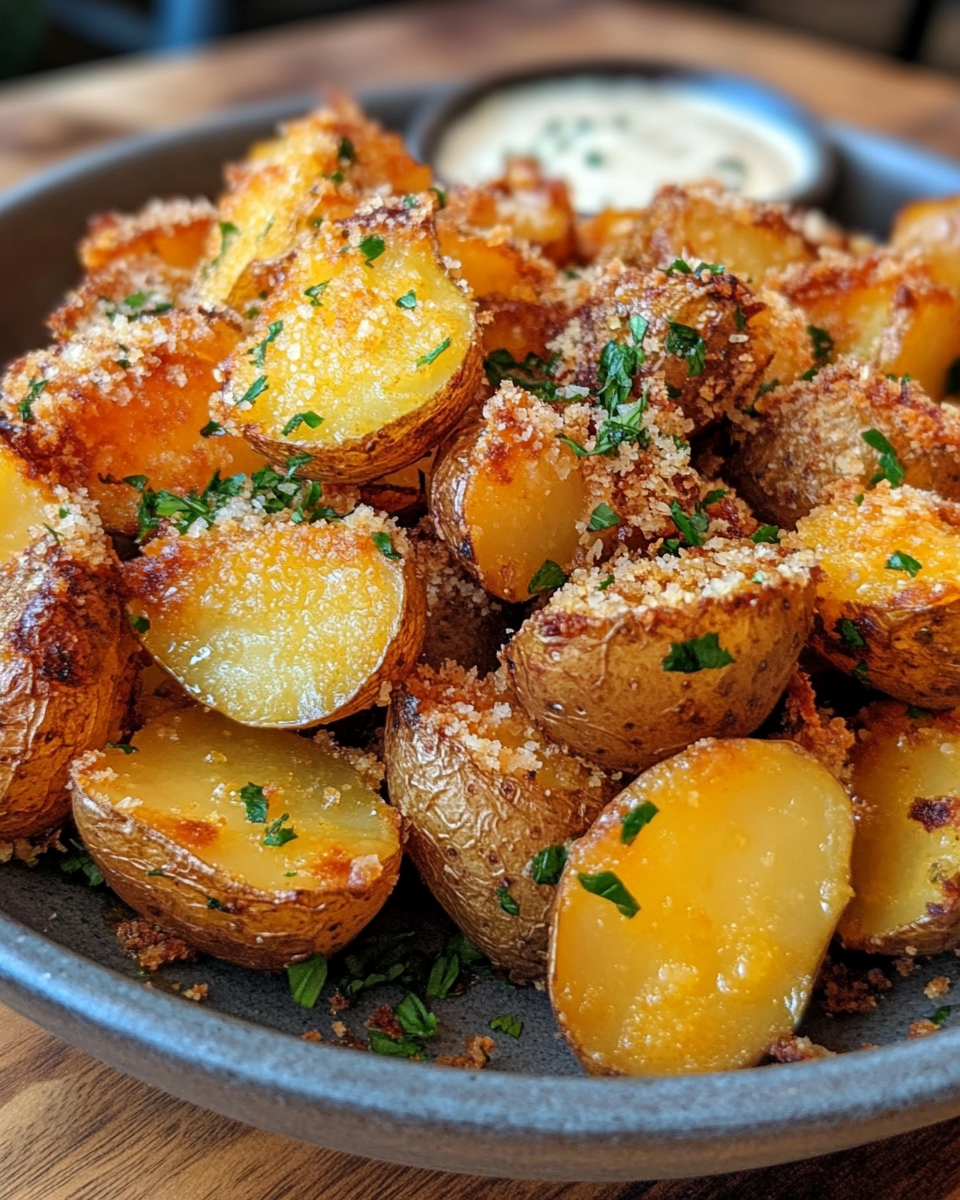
x: 564, y: 499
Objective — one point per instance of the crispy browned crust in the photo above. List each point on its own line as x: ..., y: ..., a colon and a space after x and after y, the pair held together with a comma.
x: 171, y: 231
x: 252, y: 928
x: 825, y: 736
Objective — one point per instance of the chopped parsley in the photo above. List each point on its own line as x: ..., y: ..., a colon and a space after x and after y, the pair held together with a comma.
x: 511, y: 1026
x: 310, y: 419
x: 123, y: 747
x: 941, y: 1014
x: 315, y: 292
x: 507, y: 902
x: 849, y: 634
x: 80, y: 860
x: 213, y: 902
x: 900, y: 561
x: 306, y: 980
x: 692, y: 526
x: 615, y: 431
x: 443, y: 976
x: 608, y: 885
x: 686, y: 343
x: 276, y: 835
x: 258, y: 352
x: 632, y: 822
x: 861, y: 673
x: 407, y: 300
x: 766, y: 533
x: 441, y: 196
x: 915, y: 713
x: 212, y: 429
x: 372, y: 247
x: 53, y: 533
x: 25, y: 406
x: 890, y: 468
x: 547, y: 865
x: 139, y: 624
x: 384, y: 543
x: 405, y: 1047
x: 228, y: 232
x: 821, y: 348
x: 257, y: 388
x: 604, y: 583
x: 426, y: 359
x: 550, y: 575
x: 698, y: 654
x: 533, y: 374
x: 346, y: 152
x: 679, y: 265
x: 255, y: 802
x: 415, y: 1018
x: 602, y: 517
x: 740, y: 319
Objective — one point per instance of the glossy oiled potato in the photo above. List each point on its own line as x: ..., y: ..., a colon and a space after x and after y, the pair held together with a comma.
x: 67, y: 657
x: 906, y: 854
x: 632, y: 661
x: 888, y: 593
x: 279, y: 623
x: 482, y: 795
x: 363, y: 357
x: 256, y: 846
x: 692, y: 918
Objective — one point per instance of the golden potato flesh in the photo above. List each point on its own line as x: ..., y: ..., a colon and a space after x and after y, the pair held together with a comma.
x: 931, y: 228
x: 888, y: 593
x: 277, y: 623
x: 256, y: 846
x: 809, y: 435
x: 631, y: 661
x: 172, y: 232
x: 365, y: 355
x: 692, y: 918
x: 66, y: 652
x: 482, y: 795
x: 906, y: 854
x: 129, y: 397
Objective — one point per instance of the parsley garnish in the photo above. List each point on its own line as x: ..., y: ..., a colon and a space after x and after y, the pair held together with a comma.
x: 295, y: 462
x: 860, y: 673
x: 310, y: 419
x: 547, y: 864
x: 858, y: 499
x: 415, y: 1018
x: 680, y: 265
x: 25, y: 406
x: 257, y: 388
x: 687, y: 343
x: 602, y: 517
x: 443, y: 975
x: 697, y: 654
x: 80, y: 860
x: 604, y: 583
x: 849, y: 634
x: 306, y: 980
x: 405, y: 1047
x: 255, y: 802
x: 766, y: 533
x: 550, y: 575
x: 693, y: 526
x: 140, y: 624
x: 900, y: 561
x: 915, y: 713
x: 441, y: 196
x: 632, y: 822
x: 533, y: 374
x: 212, y: 429
x: 315, y: 292
x: 822, y: 343
x: 740, y: 319
x: 384, y: 543
x: 346, y: 152
x: 941, y: 1014
x: 407, y: 300
x: 507, y: 902
x: 426, y: 359
x: 608, y: 885
x: 276, y: 835
x: 228, y: 231
x: 123, y: 747
x: 213, y: 902
x: 372, y: 247
x: 53, y: 533
x: 257, y: 353
x: 890, y: 468
x: 512, y: 1026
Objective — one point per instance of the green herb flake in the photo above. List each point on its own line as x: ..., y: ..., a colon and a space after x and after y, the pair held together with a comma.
x: 258, y: 352
x: 426, y: 359
x: 335, y: 177
x: 372, y: 247
x: 550, y: 575
x: 255, y: 802
x: 511, y: 1026
x: 415, y: 1018
x: 941, y: 1014
x: 213, y: 902
x: 633, y: 821
x: 861, y: 673
x: 899, y: 560
x: 310, y: 419
x: 890, y: 468
x: 821, y: 344
x: 316, y: 292
x: 228, y: 232
x: 547, y: 865
x: 53, y: 533
x: 25, y: 406
x: 532, y: 374
x: 443, y: 976
x: 507, y: 902
x: 123, y: 747
x: 306, y: 980
x: 673, y: 393
x: 81, y: 861
x: 384, y: 543
x: 698, y: 654
x: 858, y: 499
x: 157, y: 871
x: 766, y: 533
x: 441, y: 196
x: 407, y: 300
x: 915, y: 713
x: 679, y: 266
x: 257, y: 388
x: 602, y: 517
x: 212, y: 429
x: 252, y: 311
x: 405, y: 1047
x: 346, y: 152
x: 740, y: 319
x: 607, y: 885
x: 139, y: 624
x: 692, y: 527
x: 849, y: 634
x: 409, y: 201
x: 604, y: 583
x: 276, y: 835
x: 686, y: 343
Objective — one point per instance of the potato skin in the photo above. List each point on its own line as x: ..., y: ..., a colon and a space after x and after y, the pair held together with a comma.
x: 247, y: 926
x: 470, y: 830
x: 67, y: 670
x: 597, y: 684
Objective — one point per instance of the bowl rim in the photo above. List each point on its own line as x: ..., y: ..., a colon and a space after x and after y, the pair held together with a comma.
x: 784, y: 111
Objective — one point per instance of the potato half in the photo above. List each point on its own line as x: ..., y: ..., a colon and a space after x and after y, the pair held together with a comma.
x: 888, y: 595
x: 171, y: 232
x: 931, y: 228
x: 277, y: 623
x: 256, y: 846
x: 363, y: 357
x: 906, y: 854
x: 482, y: 794
x: 631, y: 661
x: 67, y: 656
x: 692, y: 918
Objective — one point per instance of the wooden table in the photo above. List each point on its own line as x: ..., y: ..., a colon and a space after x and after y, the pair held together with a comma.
x: 73, y: 1128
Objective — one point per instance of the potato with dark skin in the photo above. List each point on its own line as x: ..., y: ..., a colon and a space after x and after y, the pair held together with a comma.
x: 255, y: 846
x: 632, y: 661
x: 906, y: 855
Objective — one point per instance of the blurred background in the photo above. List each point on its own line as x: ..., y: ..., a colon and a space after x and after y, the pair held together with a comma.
x: 37, y: 35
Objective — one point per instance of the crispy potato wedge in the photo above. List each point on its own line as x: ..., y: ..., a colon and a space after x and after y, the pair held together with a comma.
x: 128, y: 398
x: 888, y: 594
x: 811, y: 434
x: 906, y: 853
x: 631, y: 661
x: 931, y: 228
x: 255, y: 846
x: 67, y: 657
x: 364, y: 357
x: 482, y: 794
x: 129, y: 288
x: 276, y: 623
x: 692, y: 918
x: 170, y: 232
x: 600, y: 235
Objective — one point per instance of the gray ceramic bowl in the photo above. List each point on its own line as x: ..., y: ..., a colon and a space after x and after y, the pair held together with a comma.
x: 531, y: 1113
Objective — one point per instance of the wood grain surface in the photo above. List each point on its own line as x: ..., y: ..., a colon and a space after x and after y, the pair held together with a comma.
x: 73, y: 1129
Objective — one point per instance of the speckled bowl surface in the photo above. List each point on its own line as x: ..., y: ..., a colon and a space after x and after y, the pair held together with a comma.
x: 531, y: 1113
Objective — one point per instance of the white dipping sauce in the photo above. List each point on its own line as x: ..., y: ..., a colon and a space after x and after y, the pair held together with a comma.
x: 616, y: 139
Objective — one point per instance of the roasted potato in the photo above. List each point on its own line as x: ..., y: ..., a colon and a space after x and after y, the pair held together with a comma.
x: 67, y: 657
x: 256, y: 846
x: 363, y: 358
x: 692, y: 918
x: 888, y: 592
x: 631, y: 661
x: 807, y: 436
x: 488, y: 806
x: 128, y: 398
x: 906, y: 853
x: 170, y: 232
x: 931, y: 229
x: 277, y: 621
